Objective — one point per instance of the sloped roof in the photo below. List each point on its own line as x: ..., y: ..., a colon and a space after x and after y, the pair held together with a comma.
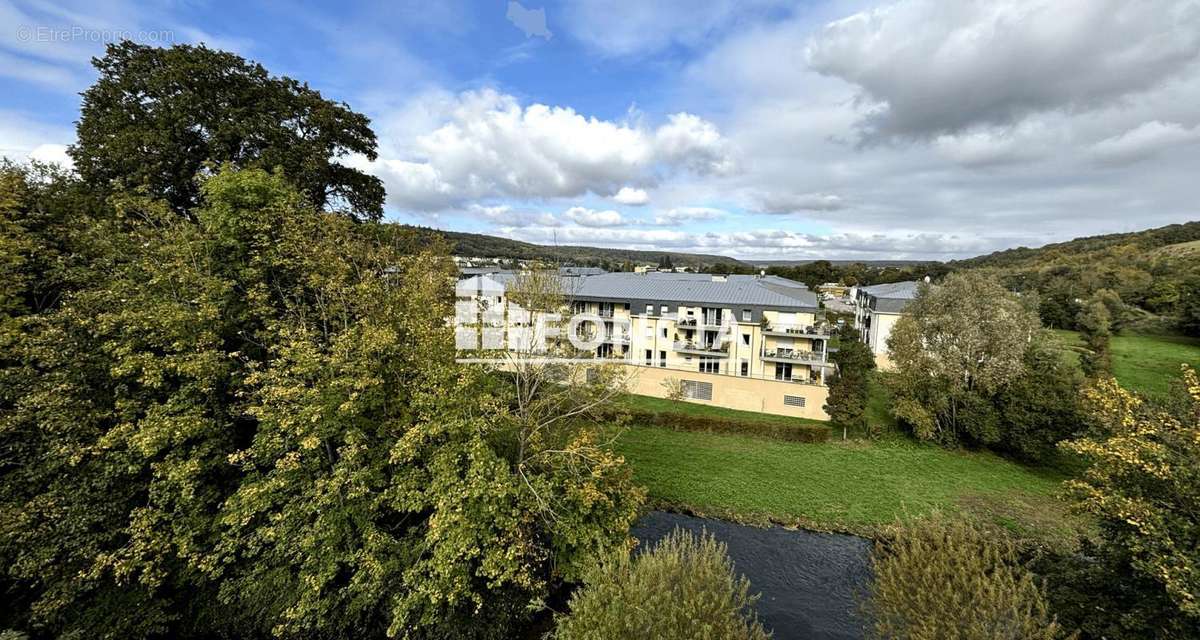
x: 697, y: 288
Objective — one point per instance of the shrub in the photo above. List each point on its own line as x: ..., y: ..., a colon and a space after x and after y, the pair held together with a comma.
x: 782, y: 429
x: 683, y: 588
x: 943, y: 578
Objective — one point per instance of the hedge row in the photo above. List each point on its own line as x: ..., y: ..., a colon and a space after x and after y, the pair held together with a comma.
x: 781, y: 429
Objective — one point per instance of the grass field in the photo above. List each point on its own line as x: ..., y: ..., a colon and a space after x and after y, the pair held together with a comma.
x: 851, y: 486
x: 1145, y: 363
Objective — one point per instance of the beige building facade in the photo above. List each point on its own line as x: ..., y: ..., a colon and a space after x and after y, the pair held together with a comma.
x: 742, y: 342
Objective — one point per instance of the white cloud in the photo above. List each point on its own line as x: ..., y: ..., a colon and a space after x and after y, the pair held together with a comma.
x: 926, y: 67
x: 488, y: 145
x: 1143, y: 141
x: 506, y: 216
x: 631, y: 196
x: 593, y: 218
x: 24, y: 138
x: 687, y: 214
x: 766, y: 243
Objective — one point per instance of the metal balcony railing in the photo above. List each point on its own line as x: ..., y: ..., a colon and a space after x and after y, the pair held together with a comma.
x: 799, y: 330
x: 794, y: 355
x: 702, y: 348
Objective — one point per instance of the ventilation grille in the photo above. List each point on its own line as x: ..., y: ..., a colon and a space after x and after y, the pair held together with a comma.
x: 793, y: 401
x: 697, y: 390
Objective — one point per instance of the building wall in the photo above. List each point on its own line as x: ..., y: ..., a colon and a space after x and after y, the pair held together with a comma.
x: 733, y: 392
x: 881, y: 329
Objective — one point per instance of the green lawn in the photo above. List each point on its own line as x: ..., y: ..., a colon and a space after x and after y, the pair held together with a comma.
x: 846, y: 486
x: 1145, y: 363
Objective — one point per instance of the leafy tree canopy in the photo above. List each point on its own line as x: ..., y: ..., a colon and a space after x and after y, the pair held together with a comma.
x: 158, y: 117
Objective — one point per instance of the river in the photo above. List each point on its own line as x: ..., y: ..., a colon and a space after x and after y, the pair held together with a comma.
x: 811, y: 583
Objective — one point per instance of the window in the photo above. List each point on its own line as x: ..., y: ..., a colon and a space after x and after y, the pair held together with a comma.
x: 697, y: 390
x: 793, y: 401
x: 578, y: 307
x: 746, y: 339
x: 710, y: 365
x: 745, y: 368
x: 783, y: 371
x: 662, y: 358
x: 745, y: 315
x: 649, y: 357
x: 664, y: 333
x: 665, y: 309
x: 649, y: 309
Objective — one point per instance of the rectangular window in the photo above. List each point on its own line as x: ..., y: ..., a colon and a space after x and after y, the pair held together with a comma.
x: 745, y: 315
x: 665, y: 309
x: 783, y: 371
x: 710, y: 365
x: 793, y: 401
x: 649, y: 309
x: 664, y: 332
x: 697, y: 390
x: 745, y: 368
x: 662, y: 358
x: 746, y: 339
x: 649, y: 357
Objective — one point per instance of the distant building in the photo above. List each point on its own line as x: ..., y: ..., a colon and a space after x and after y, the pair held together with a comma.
x: 876, y: 310
x: 833, y: 289
x: 737, y: 341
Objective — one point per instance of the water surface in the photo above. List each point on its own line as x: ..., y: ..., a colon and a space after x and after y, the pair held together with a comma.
x: 811, y: 583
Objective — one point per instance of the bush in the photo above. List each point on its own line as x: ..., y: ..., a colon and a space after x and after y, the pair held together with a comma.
x: 781, y: 429
x: 941, y: 578
x: 683, y: 588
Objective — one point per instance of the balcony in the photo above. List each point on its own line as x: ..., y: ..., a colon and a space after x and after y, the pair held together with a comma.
x: 799, y: 331
x: 699, y: 348
x: 797, y: 356
x: 616, y: 338
x: 605, y: 313
x: 685, y: 322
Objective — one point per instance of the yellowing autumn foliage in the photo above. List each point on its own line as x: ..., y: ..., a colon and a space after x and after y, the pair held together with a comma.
x: 1143, y: 484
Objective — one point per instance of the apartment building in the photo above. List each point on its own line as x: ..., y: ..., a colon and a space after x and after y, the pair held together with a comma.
x: 876, y: 310
x: 739, y: 341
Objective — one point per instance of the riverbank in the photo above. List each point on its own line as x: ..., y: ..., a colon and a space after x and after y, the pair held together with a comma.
x: 854, y: 487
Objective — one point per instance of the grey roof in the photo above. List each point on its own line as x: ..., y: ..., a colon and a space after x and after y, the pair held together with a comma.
x: 696, y: 288
x: 684, y: 288
x: 892, y: 297
x: 895, y: 290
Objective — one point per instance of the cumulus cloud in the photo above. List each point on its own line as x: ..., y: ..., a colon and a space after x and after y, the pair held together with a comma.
x: 489, y: 145
x: 506, y: 216
x: 24, y: 138
x: 632, y: 197
x: 791, y: 203
x: 679, y: 215
x: 593, y: 218
x: 926, y: 67
x: 1141, y: 142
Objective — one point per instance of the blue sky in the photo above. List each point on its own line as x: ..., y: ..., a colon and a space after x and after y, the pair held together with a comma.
x: 763, y: 129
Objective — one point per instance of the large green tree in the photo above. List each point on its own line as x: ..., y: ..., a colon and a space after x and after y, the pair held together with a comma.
x: 251, y: 423
x: 157, y: 117
x: 956, y: 346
